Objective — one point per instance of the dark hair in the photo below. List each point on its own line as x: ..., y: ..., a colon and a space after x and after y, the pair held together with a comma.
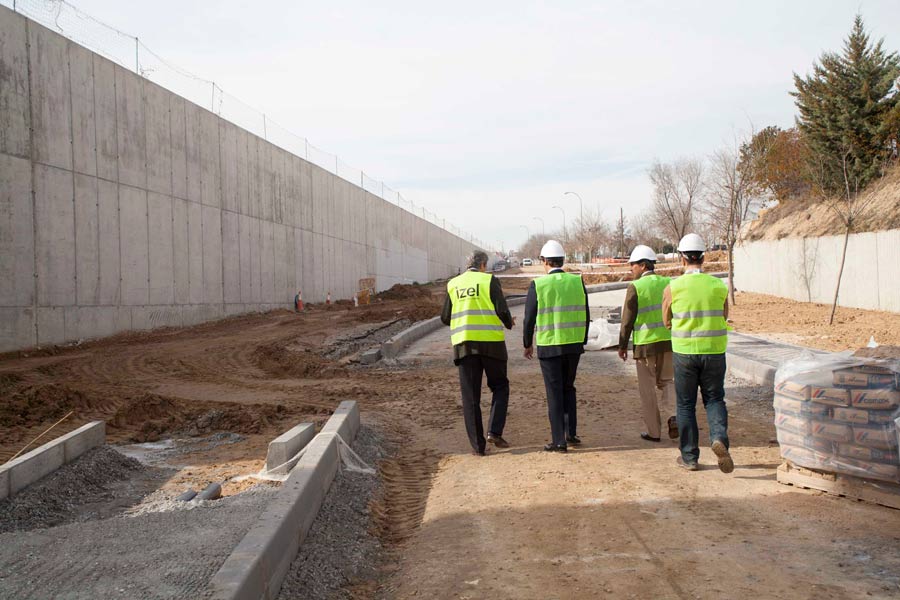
x: 693, y: 258
x: 555, y: 261
x: 648, y: 264
x: 476, y: 259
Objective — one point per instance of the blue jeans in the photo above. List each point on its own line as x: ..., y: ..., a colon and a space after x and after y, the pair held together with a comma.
x: 706, y: 371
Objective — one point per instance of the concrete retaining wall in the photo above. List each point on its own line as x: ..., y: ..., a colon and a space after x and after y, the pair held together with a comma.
x: 40, y: 462
x: 806, y: 269
x: 124, y: 206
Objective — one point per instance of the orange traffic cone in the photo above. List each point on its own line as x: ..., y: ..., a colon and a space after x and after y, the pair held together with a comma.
x: 298, y: 301
x: 328, y: 298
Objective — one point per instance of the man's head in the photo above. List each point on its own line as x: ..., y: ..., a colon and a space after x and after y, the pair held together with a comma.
x: 552, y: 255
x: 478, y: 260
x: 642, y: 260
x: 692, y: 248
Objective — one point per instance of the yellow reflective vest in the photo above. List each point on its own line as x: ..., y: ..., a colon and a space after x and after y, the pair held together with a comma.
x: 649, y: 327
x: 473, y: 317
x: 561, y: 315
x: 698, y: 314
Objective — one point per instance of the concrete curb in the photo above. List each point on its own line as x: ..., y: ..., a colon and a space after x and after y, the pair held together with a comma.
x: 256, y: 567
x: 394, y: 346
x: 747, y: 368
x: 43, y: 460
x: 289, y: 443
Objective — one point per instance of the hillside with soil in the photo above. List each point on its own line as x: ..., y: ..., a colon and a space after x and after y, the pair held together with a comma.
x: 810, y: 217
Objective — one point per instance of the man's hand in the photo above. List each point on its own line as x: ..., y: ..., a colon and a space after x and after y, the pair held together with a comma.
x: 623, y: 354
x: 529, y: 352
x: 513, y: 322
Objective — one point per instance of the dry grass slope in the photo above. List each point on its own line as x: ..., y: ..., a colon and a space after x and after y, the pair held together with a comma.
x: 805, y: 218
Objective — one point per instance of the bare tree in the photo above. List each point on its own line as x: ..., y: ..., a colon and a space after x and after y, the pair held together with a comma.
x: 849, y: 208
x: 728, y: 200
x: 808, y: 266
x: 591, y: 232
x: 676, y: 188
x: 644, y: 231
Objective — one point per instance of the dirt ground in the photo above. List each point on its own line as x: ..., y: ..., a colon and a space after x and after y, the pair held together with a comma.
x: 806, y: 324
x: 254, y: 375
x: 614, y: 518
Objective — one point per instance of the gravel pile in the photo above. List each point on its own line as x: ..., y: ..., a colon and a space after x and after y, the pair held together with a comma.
x: 171, y: 554
x: 61, y: 496
x: 340, y: 549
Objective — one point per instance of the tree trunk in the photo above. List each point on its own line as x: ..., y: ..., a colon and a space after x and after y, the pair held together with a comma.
x: 731, y: 271
x: 837, y: 288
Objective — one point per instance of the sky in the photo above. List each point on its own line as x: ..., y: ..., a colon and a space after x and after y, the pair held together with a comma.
x: 486, y: 113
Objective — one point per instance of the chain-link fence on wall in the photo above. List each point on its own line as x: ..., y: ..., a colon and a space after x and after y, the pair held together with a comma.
x: 130, y: 52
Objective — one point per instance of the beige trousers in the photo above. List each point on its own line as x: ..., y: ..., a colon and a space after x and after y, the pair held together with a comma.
x: 655, y: 381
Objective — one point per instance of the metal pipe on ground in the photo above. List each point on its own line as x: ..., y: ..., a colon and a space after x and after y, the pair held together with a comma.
x: 186, y: 496
x: 211, y: 492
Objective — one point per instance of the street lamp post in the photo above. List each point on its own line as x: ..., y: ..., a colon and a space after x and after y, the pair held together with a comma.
x: 580, y: 212
x: 565, y: 233
x: 542, y: 224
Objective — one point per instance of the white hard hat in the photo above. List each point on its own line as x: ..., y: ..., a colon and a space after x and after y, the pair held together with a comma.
x: 692, y: 243
x: 553, y: 249
x: 642, y: 253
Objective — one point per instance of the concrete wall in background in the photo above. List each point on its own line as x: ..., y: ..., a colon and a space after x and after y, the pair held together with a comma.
x: 806, y: 269
x: 124, y: 206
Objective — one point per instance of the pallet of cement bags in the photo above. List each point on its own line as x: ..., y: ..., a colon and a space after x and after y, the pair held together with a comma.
x: 837, y: 419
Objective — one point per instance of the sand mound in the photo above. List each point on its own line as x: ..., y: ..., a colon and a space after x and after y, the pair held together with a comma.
x: 33, y: 405
x: 278, y: 360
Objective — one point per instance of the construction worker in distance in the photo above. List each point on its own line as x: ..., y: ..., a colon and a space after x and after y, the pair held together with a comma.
x: 476, y: 312
x: 652, y: 351
x: 695, y: 307
x: 556, y: 320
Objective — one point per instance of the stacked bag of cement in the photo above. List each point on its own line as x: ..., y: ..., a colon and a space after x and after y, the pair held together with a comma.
x: 840, y: 415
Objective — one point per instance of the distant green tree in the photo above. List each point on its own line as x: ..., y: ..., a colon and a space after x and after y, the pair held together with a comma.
x: 848, y: 112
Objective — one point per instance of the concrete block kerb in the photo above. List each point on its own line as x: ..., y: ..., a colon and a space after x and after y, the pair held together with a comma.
x: 258, y: 564
x: 23, y: 471
x: 289, y: 443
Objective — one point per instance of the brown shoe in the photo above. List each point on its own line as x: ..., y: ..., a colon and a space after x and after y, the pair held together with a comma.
x: 726, y: 464
x: 691, y: 466
x: 673, y: 428
x: 497, y: 441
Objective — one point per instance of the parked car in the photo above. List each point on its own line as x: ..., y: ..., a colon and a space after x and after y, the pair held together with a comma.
x: 527, y: 262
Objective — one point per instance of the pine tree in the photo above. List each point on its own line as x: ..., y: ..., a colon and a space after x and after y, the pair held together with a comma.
x: 848, y: 108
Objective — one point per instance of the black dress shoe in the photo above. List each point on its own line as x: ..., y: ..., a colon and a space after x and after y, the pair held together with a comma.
x: 555, y: 448
x: 573, y: 439
x: 478, y: 452
x: 648, y: 437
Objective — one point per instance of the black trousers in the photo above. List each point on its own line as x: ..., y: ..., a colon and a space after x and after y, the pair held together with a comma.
x: 470, y: 371
x: 559, y: 379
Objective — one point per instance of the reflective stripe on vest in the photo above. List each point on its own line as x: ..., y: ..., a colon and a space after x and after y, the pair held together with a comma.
x: 561, y: 315
x: 649, y: 327
x: 698, y: 314
x: 473, y: 317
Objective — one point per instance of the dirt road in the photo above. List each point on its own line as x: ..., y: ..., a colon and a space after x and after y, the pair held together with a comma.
x: 616, y: 518
x: 612, y: 519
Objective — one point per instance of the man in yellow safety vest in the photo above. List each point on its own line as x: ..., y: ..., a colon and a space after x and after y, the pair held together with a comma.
x: 556, y: 320
x: 652, y: 352
x: 695, y: 307
x: 476, y: 312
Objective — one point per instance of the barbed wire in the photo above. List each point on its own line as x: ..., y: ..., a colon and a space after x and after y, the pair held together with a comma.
x: 131, y: 53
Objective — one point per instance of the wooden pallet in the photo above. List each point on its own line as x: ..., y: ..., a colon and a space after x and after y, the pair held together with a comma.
x: 877, y: 492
